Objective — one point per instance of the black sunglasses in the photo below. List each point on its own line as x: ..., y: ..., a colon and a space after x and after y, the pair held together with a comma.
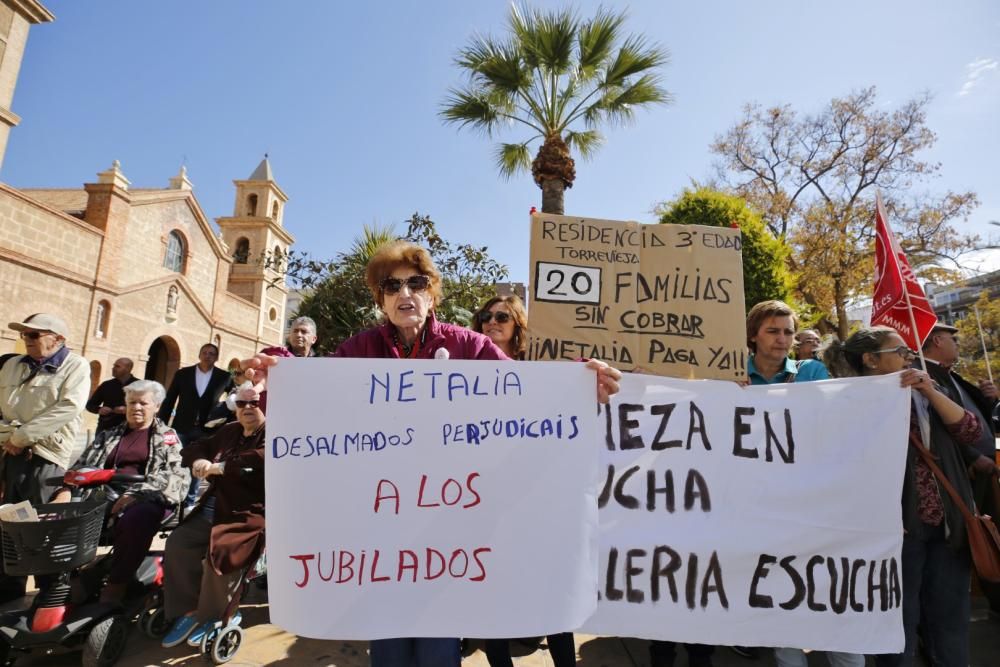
x: 394, y: 285
x: 33, y: 335
x: 247, y: 404
x: 500, y: 317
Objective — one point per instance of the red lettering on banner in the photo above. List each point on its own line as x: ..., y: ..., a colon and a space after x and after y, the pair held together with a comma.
x: 348, y: 566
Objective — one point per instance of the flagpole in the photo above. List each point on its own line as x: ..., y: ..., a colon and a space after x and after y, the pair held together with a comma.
x: 913, y: 323
x: 982, y: 339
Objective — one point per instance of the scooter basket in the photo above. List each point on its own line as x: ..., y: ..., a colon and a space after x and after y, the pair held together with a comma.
x: 65, y: 537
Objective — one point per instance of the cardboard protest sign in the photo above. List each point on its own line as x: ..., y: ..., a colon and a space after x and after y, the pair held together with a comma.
x: 431, y: 498
x: 666, y: 298
x: 757, y: 516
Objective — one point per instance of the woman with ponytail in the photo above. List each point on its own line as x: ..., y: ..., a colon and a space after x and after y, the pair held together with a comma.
x: 935, y: 558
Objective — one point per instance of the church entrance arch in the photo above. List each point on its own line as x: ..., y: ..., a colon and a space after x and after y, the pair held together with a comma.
x: 164, y: 359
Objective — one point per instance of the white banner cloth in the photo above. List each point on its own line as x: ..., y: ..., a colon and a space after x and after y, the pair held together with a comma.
x: 431, y: 498
x: 757, y: 516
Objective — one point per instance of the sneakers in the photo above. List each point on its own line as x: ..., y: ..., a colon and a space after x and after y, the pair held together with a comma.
x: 196, y: 637
x: 179, y: 631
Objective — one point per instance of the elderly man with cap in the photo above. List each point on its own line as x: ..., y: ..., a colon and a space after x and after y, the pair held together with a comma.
x: 941, y: 353
x: 42, y: 396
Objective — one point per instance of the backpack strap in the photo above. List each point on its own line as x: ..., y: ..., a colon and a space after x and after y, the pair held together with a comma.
x: 791, y: 376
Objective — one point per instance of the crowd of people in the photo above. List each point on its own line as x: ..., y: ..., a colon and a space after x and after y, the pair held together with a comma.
x: 200, y: 446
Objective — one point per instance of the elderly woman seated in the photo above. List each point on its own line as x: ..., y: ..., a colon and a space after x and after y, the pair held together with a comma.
x: 207, y: 554
x: 142, y: 445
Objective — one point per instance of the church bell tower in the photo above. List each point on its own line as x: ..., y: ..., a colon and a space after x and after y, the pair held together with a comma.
x: 258, y: 243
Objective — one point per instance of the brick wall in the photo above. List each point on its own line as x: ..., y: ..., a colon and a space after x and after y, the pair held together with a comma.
x: 29, y: 230
x: 148, y: 228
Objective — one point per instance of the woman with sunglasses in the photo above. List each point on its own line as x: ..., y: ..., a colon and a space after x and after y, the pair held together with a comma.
x: 503, y: 319
x: 224, y: 534
x: 935, y: 558
x: 406, y: 286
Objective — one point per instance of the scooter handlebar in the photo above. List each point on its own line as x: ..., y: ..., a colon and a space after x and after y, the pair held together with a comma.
x: 90, y: 478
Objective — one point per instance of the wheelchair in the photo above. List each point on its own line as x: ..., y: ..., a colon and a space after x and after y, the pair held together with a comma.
x: 223, y: 642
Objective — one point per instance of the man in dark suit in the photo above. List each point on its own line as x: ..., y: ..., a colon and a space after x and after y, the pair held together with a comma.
x: 195, y: 390
x: 941, y: 352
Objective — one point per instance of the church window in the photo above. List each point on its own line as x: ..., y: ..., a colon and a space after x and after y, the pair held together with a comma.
x: 174, y: 259
x: 274, y: 212
x: 101, y: 319
x: 242, y: 253
x: 252, y: 205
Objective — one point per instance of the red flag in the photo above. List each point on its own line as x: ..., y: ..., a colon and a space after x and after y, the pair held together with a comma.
x: 898, y: 301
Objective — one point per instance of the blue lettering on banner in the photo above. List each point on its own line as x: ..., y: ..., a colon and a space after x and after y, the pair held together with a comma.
x: 477, y: 432
x: 387, y: 388
x: 338, y: 444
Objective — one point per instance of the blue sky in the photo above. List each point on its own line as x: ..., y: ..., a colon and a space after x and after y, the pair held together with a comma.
x: 344, y: 97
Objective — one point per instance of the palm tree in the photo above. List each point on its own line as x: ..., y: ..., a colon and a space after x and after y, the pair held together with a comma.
x: 561, y: 78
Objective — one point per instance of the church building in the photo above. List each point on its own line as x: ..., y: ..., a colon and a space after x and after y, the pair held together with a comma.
x: 137, y: 272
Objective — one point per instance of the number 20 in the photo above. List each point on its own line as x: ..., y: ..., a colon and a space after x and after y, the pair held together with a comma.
x: 574, y: 282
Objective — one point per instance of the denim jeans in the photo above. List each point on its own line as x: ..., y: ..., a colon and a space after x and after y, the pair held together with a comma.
x: 796, y: 657
x: 416, y: 652
x: 935, y: 596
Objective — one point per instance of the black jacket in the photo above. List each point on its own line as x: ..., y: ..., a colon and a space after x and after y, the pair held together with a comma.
x: 985, y: 405
x: 109, y: 394
x: 192, y: 410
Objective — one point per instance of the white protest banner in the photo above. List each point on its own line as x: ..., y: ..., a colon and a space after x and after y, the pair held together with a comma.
x: 431, y: 498
x: 757, y: 516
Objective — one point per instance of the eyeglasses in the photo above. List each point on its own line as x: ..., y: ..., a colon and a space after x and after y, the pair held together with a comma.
x: 394, y: 285
x: 501, y: 317
x: 33, y: 335
x: 901, y: 350
x: 247, y: 404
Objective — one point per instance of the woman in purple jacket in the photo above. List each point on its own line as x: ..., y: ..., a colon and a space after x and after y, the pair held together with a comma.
x: 406, y: 286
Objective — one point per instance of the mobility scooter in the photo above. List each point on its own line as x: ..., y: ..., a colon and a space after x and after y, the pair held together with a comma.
x: 60, y: 551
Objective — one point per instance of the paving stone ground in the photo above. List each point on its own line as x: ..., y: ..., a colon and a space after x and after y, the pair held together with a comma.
x: 266, y: 644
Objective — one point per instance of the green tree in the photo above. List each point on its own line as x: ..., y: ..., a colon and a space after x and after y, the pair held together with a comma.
x: 339, y: 300
x: 765, y: 275
x: 973, y: 360
x: 468, y: 274
x: 337, y: 296
x: 814, y: 179
x: 559, y: 78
